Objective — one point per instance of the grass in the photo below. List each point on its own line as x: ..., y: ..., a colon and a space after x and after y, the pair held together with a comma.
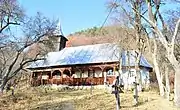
x: 38, y: 99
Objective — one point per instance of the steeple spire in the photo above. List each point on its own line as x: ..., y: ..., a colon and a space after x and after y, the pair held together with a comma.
x: 61, y: 39
x: 58, y: 30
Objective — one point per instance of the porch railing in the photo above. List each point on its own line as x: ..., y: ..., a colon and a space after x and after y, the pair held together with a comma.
x: 69, y: 81
x: 72, y: 81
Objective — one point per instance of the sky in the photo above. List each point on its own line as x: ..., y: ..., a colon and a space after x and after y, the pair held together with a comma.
x: 74, y: 15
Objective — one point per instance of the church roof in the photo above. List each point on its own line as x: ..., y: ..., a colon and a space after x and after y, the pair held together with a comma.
x: 89, y: 54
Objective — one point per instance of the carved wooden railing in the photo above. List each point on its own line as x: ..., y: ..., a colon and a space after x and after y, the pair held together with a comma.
x: 73, y: 81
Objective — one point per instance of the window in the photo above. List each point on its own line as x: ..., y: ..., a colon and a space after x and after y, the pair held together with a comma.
x: 67, y: 72
x: 124, y: 71
x: 116, y: 68
x: 35, y: 74
x: 110, y: 71
x: 56, y: 73
x: 131, y: 73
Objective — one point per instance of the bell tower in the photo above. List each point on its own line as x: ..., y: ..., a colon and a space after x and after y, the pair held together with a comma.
x: 60, y: 38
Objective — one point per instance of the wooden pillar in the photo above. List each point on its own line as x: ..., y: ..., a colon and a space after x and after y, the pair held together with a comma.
x: 69, y: 77
x: 105, y: 77
x: 31, y: 79
x: 61, y: 70
x: 102, y: 69
x: 81, y: 73
x: 114, y: 70
x: 51, y: 74
x: 70, y: 73
x: 41, y: 78
x: 51, y: 77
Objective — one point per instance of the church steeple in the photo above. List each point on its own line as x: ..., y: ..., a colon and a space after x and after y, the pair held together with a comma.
x: 61, y: 39
x: 58, y: 30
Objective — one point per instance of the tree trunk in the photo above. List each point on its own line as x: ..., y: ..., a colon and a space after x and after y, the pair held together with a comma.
x: 156, y: 68
x: 158, y: 76
x: 167, y: 83
x: 177, y: 87
x: 2, y: 85
x: 128, y: 76
x: 1, y: 90
x: 138, y: 73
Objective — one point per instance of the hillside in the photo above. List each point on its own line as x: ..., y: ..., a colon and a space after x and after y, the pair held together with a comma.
x: 109, y: 34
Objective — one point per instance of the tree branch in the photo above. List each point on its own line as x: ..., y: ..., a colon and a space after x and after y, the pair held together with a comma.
x: 175, y: 34
x: 21, y: 66
x: 156, y: 30
x: 7, y: 24
x: 12, y: 64
x: 129, y: 17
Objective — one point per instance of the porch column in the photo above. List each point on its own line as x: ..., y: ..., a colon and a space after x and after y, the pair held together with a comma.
x: 114, y: 70
x: 51, y: 77
x: 41, y: 78
x: 105, y: 77
x: 70, y: 73
x: 81, y: 80
x: 61, y: 79
x: 31, y: 79
x: 51, y: 74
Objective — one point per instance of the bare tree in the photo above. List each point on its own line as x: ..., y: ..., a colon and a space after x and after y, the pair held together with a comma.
x: 134, y: 23
x: 168, y: 46
x: 10, y: 14
x: 151, y: 9
x: 14, y: 51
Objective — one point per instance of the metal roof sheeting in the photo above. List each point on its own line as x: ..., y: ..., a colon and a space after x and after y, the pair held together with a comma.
x: 98, y: 53
x: 132, y: 55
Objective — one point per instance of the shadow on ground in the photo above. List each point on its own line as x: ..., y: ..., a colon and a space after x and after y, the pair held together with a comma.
x: 66, y: 105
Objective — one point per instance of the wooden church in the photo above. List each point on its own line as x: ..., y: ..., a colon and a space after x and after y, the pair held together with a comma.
x: 87, y: 65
